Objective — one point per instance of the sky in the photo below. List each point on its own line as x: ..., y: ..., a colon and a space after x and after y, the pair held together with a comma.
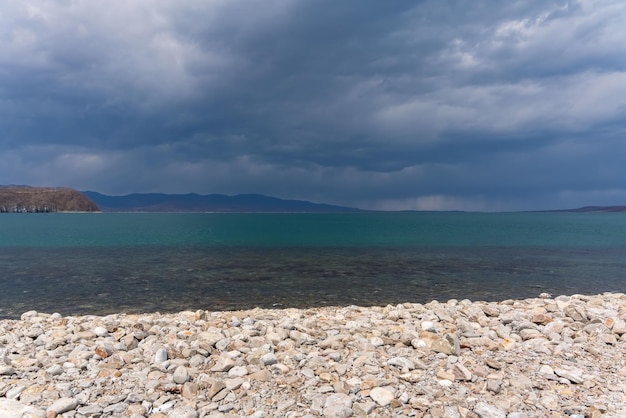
x: 480, y: 105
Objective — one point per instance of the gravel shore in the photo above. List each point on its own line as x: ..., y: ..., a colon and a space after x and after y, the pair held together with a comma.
x: 542, y: 357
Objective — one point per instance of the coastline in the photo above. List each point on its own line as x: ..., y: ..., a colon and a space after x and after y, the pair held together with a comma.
x: 514, y: 358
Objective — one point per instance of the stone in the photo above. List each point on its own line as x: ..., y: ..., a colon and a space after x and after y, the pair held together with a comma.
x: 619, y: 327
x: 466, y: 328
x: 447, y: 345
x: 411, y: 377
x: 90, y: 410
x: 337, y: 405
x: 215, y: 388
x: 573, y: 374
x: 161, y: 355
x: 63, y: 405
x: 115, y: 409
x: 6, y: 370
x: 593, y: 412
x: 55, y: 370
x: 269, y: 359
x: 238, y: 371
x: 10, y: 408
x: 493, y: 363
x: 101, y: 332
x: 461, y: 372
x: 401, y: 362
x: 575, y: 313
x: 382, y: 396
x: 485, y: 410
x: 223, y: 365
x: 189, y: 390
x: 184, y: 411
x: 494, y: 385
x: 261, y: 375
x: 181, y: 375
x: 377, y: 341
x: 15, y: 391
x: 428, y: 326
x: 445, y: 375
x: 363, y: 409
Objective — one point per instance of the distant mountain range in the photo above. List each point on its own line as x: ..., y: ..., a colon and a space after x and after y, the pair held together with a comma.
x: 17, y: 198
x: 603, y: 209
x: 159, y: 202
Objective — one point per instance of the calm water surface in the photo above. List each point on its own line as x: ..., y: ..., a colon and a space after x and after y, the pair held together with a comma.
x: 105, y: 263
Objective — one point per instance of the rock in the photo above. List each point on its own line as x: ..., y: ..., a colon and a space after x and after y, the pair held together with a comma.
x: 10, y: 408
x: 269, y: 359
x: 55, y: 370
x: 428, y: 326
x: 161, y: 355
x: 90, y: 410
x: 461, y: 372
x: 494, y: 385
x: 189, y: 390
x: 14, y: 392
x: 184, y: 411
x: 596, y: 328
x: 493, y: 363
x: 411, y: 377
x: 338, y: 405
x: 377, y: 341
x: 401, y: 362
x: 261, y: 375
x: 116, y: 409
x: 100, y: 332
x: 444, y: 375
x: 382, y: 396
x: 575, y: 313
x: 485, y: 410
x: 223, y: 365
x: 63, y: 405
x: 6, y: 370
x: 447, y: 345
x: 363, y: 409
x: 466, y: 328
x: 238, y: 371
x: 593, y: 412
x: 573, y: 374
x: 619, y: 327
x: 181, y: 375
x: 215, y: 388
x: 540, y: 319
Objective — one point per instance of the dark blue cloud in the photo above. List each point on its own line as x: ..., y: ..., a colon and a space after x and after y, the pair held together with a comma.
x: 433, y: 104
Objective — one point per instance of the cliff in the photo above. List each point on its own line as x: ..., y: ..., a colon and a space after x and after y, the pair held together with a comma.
x: 22, y: 199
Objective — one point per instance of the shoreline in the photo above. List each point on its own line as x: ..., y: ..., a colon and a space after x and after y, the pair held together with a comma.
x: 562, y: 356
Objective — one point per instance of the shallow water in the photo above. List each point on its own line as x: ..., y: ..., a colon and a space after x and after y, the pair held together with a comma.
x: 105, y: 263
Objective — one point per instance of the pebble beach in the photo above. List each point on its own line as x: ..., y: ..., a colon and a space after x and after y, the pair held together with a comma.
x: 540, y: 357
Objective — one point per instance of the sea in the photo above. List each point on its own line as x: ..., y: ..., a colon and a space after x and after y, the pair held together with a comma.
x: 102, y: 263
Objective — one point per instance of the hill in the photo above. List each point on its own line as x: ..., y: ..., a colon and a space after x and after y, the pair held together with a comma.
x: 604, y: 209
x: 22, y: 199
x: 158, y: 202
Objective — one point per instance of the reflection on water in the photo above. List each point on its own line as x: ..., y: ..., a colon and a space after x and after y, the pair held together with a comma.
x: 171, y: 279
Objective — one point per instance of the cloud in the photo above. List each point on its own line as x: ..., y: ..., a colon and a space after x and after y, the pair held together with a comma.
x: 428, y: 105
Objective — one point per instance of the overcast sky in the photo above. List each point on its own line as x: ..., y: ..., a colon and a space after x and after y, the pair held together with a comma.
x: 433, y: 105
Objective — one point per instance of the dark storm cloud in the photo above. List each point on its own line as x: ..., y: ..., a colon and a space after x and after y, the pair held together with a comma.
x: 435, y: 104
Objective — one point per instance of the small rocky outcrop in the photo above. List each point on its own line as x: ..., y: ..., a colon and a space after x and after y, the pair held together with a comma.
x: 24, y: 199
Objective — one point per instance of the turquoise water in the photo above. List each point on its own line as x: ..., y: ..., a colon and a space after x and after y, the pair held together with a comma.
x: 103, y: 263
